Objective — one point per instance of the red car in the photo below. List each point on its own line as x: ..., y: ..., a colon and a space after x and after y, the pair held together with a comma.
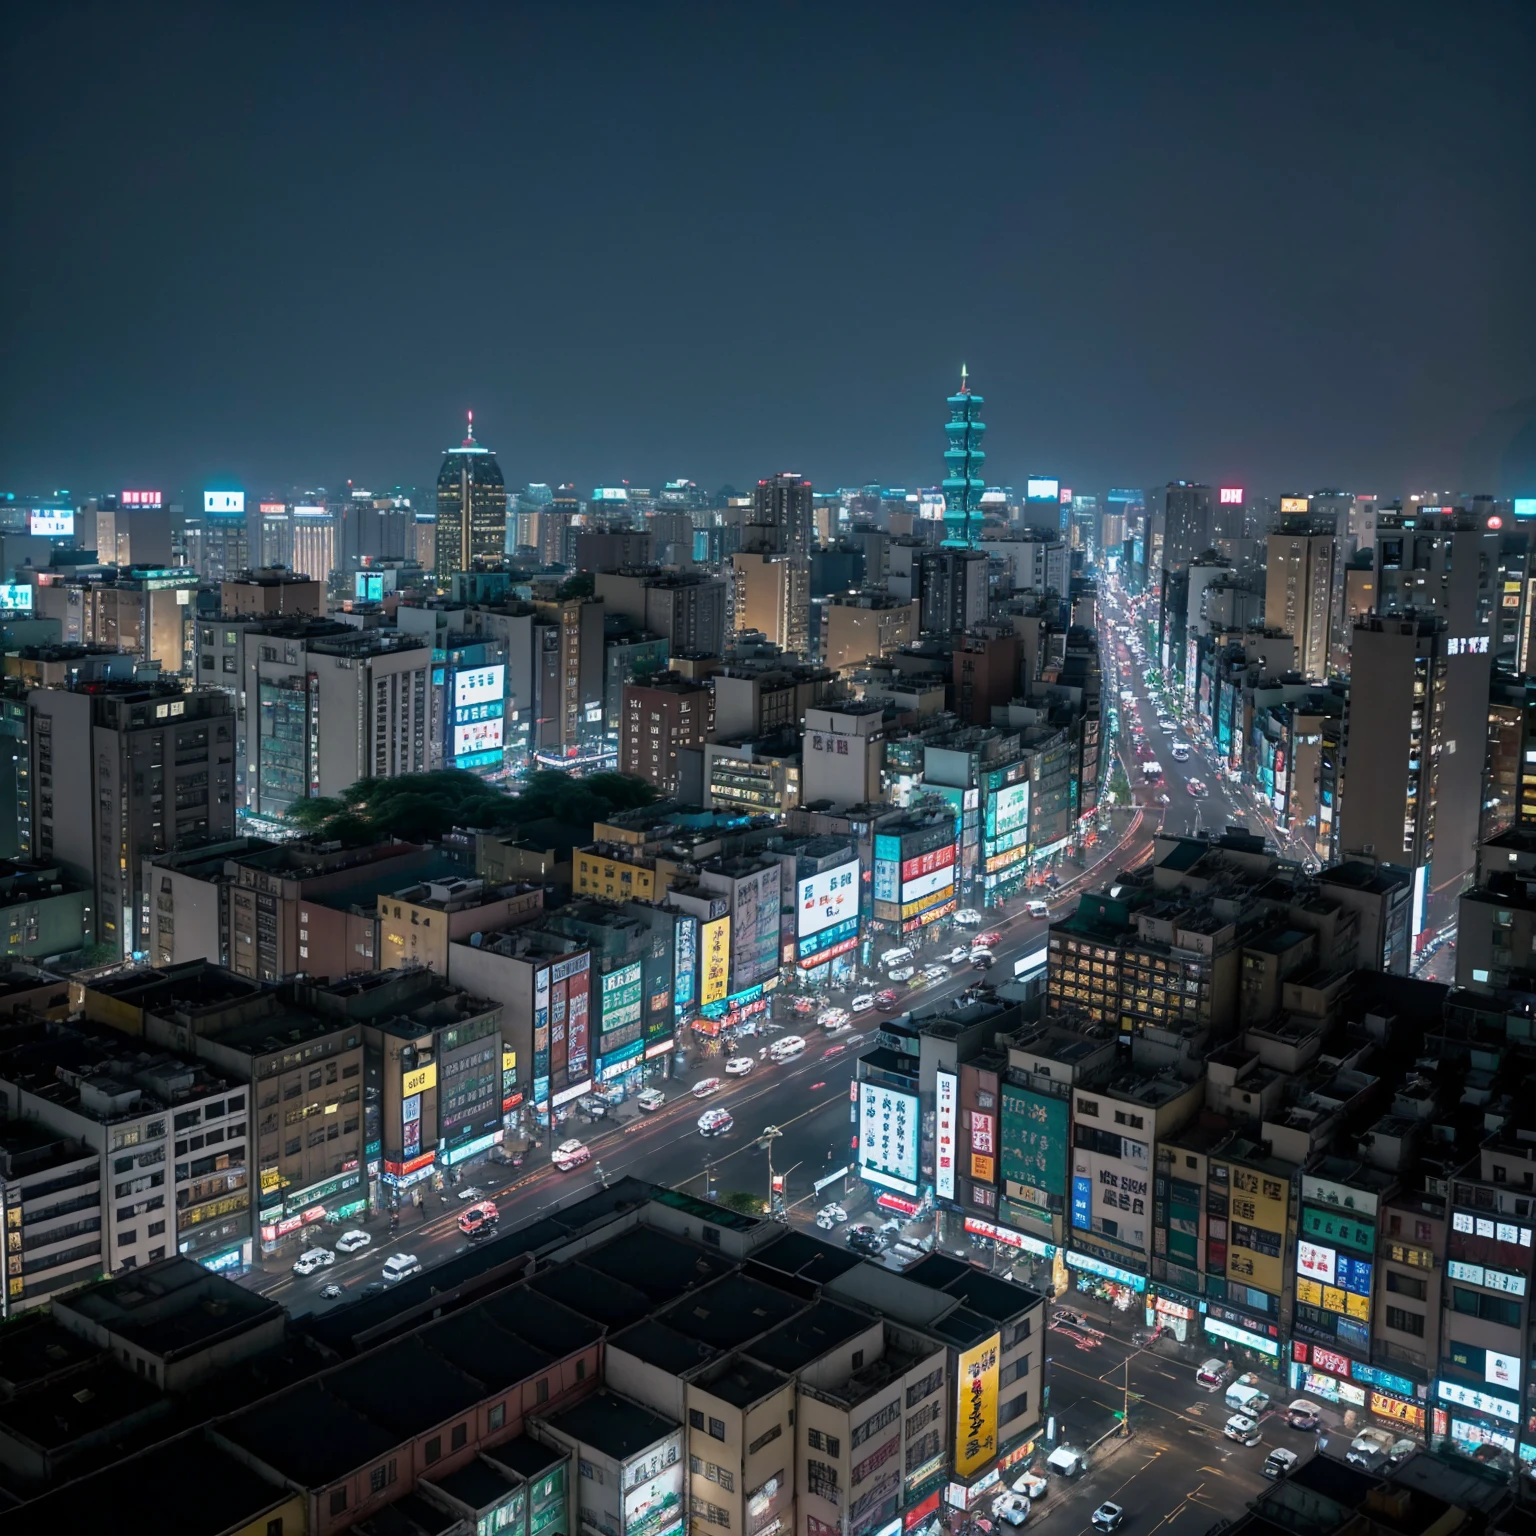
x: 886, y: 1002
x: 986, y: 940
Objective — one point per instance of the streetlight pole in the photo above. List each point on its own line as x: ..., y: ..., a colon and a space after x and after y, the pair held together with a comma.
x: 771, y: 1133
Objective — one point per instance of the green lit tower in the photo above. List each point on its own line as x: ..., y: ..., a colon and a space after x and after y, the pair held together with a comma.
x: 963, y: 484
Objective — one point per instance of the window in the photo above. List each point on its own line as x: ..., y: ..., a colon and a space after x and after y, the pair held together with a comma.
x: 1014, y: 1408
x: 541, y: 1390
x: 434, y: 1449
x: 275, y: 1527
x: 1404, y: 1321
x: 378, y: 1479
x: 1491, y: 1309
x: 695, y: 1419
x: 1406, y: 1285
x: 459, y: 1438
x: 581, y: 1370
x: 497, y: 1417
x: 765, y: 1438
x: 822, y: 1442
x: 717, y: 1429
x: 338, y: 1500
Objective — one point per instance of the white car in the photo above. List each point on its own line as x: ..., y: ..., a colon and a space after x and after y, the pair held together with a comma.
x: 959, y: 955
x: 968, y: 917
x: 350, y: 1242
x: 1010, y: 1507
x: 715, y: 1122
x: 903, y: 973
x: 1242, y: 1429
x: 1031, y: 1485
x: 706, y: 1086
x: 863, y: 1002
x: 1167, y: 723
x: 830, y: 1216
x: 316, y: 1258
x: 569, y: 1154
x: 739, y: 1066
x: 471, y: 1192
x: 1037, y: 908
x: 935, y: 973
x: 832, y: 1018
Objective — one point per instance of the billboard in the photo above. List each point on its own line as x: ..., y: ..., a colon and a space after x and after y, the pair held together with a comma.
x: 715, y: 968
x: 140, y: 499
x: 15, y: 597
x: 927, y: 885
x: 1008, y: 810
x: 621, y: 997
x: 1231, y: 496
x: 1034, y: 1146
x: 1043, y: 488
x: 1295, y: 504
x: 479, y: 685
x: 826, y: 899
x: 888, y: 1137
x: 1315, y: 1262
x: 477, y: 736
x: 227, y: 502
x: 51, y: 522
x: 976, y: 1407
x: 685, y: 940
x: 653, y: 1494
x: 946, y: 1088
x: 1259, y: 1207
x: 887, y: 868
x: 369, y: 586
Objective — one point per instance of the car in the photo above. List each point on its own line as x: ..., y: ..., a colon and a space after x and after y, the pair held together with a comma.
x: 1369, y: 1449
x: 1197, y: 788
x: 1012, y: 1508
x: 935, y: 973
x: 802, y: 1005
x: 1303, y: 1415
x: 830, y: 1216
x: 1242, y: 1429
x: 832, y: 1018
x: 1279, y: 1462
x: 740, y: 1066
x: 1213, y: 1375
x: 1109, y: 1516
x: 649, y: 1100
x: 833, y: 1050
x: 968, y: 917
x: 311, y: 1260
x: 903, y: 973
x: 981, y: 959
x: 715, y: 1122
x: 986, y: 940
x: 863, y: 1238
x: 1069, y: 1315
x: 1037, y: 908
x: 1400, y: 1452
x: 570, y: 1154
x: 1167, y: 723
x: 332, y: 1293
x: 1163, y: 798
x: 471, y: 1192
x: 1031, y: 1485
x: 706, y: 1086
x: 351, y: 1241
x: 400, y: 1266
x: 863, y: 1002
x: 959, y: 954
x: 853, y: 1040
x: 886, y: 1001
x: 479, y: 1219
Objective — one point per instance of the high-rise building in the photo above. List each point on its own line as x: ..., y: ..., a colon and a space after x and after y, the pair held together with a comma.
x: 964, y: 483
x: 952, y: 588
x: 860, y: 625
x: 274, y: 535
x: 314, y: 541
x: 1394, y: 733
x: 781, y: 517
x: 659, y: 718
x: 1298, y: 593
x: 567, y: 678
x: 122, y: 771
x: 773, y: 595
x: 687, y: 608
x: 224, y: 544
x: 1509, y: 784
x: 471, y: 507
x: 1188, y: 527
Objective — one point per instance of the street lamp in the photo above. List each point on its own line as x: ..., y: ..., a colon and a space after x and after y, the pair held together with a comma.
x: 771, y: 1134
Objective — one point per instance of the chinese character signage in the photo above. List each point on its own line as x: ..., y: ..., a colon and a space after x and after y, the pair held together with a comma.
x: 976, y: 1408
x: 888, y: 1137
x: 716, y: 967
x: 946, y: 1100
x: 1034, y: 1146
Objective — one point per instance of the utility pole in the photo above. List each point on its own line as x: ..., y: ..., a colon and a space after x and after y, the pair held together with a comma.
x: 771, y: 1134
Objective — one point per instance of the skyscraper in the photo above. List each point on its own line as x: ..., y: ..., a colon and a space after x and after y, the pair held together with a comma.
x: 1298, y: 593
x: 963, y: 460
x: 781, y: 517
x: 1188, y: 530
x: 471, y: 507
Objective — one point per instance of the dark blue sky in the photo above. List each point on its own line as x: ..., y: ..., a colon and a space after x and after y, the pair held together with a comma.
x: 1281, y: 245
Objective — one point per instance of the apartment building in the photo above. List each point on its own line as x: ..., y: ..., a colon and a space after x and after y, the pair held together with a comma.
x: 419, y: 922
x: 51, y: 1188
x: 659, y: 719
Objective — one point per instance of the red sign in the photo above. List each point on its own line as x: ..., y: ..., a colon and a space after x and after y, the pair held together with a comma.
x: 1299, y: 1352
x: 141, y: 499
x: 399, y: 1170
x: 920, y: 1512
x: 895, y: 1203
x: 1326, y: 1360
x: 926, y: 863
x: 840, y: 948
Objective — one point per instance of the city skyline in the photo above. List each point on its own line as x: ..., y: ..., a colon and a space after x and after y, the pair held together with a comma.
x: 1249, y: 282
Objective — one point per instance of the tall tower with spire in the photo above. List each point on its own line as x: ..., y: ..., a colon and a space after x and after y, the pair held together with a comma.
x: 471, y: 507
x: 963, y: 482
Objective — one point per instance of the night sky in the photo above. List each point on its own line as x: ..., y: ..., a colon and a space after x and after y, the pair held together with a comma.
x: 1283, y: 245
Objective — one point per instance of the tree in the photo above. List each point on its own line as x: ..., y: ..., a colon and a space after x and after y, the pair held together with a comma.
x: 579, y: 585
x: 741, y: 1200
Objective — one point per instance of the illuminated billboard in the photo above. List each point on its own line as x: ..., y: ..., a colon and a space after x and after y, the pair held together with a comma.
x: 1034, y: 1139
x: 140, y: 499
x: 478, y: 685
x: 1008, y: 810
x: 226, y: 502
x: 941, y: 879
x: 477, y: 736
x: 1231, y: 496
x: 946, y: 1093
x: 888, y: 1137
x: 621, y: 998
x: 51, y: 522
x: 976, y: 1407
x: 715, y: 966
x: 1525, y: 506
x: 826, y: 899
x: 1043, y: 488
x: 1295, y: 504
x: 369, y: 586
x: 1316, y: 1262
x: 15, y: 597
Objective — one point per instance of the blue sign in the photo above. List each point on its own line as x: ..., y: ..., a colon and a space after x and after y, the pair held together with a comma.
x: 1108, y: 1271
x: 1082, y: 1202
x: 1373, y: 1377
x: 477, y: 760
x: 818, y: 943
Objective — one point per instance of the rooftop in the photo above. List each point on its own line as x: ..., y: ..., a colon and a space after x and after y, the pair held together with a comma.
x: 614, y: 1425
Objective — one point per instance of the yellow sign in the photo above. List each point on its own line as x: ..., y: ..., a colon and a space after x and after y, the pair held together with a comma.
x: 1294, y: 504
x: 981, y: 1167
x: 976, y: 1408
x: 508, y: 1060
x: 419, y: 1080
x: 717, y: 961
x: 1256, y: 1237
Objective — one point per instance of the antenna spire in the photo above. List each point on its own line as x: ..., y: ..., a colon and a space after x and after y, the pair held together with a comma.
x: 965, y: 387
x: 470, y: 436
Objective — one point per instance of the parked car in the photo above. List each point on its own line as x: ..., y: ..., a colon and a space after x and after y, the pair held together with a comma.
x: 1032, y: 1485
x: 968, y: 917
x: 863, y: 1002
x: 311, y: 1260
x: 1013, y: 1508
x: 830, y: 1216
x: 959, y: 954
x: 1242, y: 1429
x: 715, y: 1122
x: 1108, y: 1516
x: 592, y: 1107
x: 706, y: 1086
x: 1213, y: 1375
x: 570, y: 1154
x: 471, y: 1192
x: 1037, y: 908
x: 351, y: 1241
x: 1303, y: 1415
x: 1279, y: 1462
x: 1369, y: 1449
x: 886, y: 1001
x: 863, y: 1238
x: 903, y: 973
x: 739, y: 1066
